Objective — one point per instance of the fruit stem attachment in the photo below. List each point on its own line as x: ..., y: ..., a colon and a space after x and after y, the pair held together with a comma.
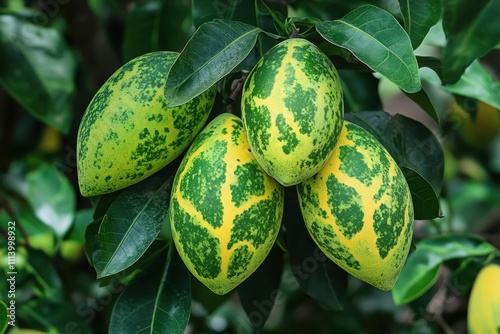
x: 231, y: 99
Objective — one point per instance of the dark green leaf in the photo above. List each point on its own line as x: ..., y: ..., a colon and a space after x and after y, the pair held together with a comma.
x: 360, y: 91
x: 37, y: 69
x: 425, y: 200
x: 132, y: 223
x: 419, y: 17
x: 4, y: 314
x: 375, y: 37
x: 157, y: 302
x: 258, y: 292
x: 237, y: 10
x: 422, y: 99
x: 48, y: 283
x: 414, y: 147
x: 271, y: 17
x: 472, y: 29
x: 154, y: 251
x: 317, y: 275
x: 149, y: 26
x: 422, y: 266
x: 52, y: 198
x: 101, y: 205
x: 214, y: 50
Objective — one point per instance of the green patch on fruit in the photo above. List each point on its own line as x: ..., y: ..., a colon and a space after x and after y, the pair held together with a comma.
x: 249, y: 183
x: 197, y: 244
x: 202, y: 183
x: 349, y: 211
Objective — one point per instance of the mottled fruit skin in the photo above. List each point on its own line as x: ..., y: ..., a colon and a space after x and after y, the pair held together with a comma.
x: 292, y: 109
x: 483, y: 313
x: 127, y: 133
x: 358, y: 209
x: 225, y: 211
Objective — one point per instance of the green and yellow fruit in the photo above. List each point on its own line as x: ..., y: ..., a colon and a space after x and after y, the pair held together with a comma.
x: 225, y: 211
x: 292, y: 110
x: 127, y: 132
x: 483, y: 315
x: 358, y: 209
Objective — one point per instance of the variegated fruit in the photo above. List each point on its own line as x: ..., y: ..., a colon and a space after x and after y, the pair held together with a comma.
x: 225, y: 211
x: 483, y: 313
x: 292, y: 109
x: 358, y: 209
x: 127, y: 132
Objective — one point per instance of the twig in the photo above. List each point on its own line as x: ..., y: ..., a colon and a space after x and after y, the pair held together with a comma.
x: 233, y: 96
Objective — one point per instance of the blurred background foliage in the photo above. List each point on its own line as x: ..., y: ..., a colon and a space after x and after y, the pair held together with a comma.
x: 55, y: 54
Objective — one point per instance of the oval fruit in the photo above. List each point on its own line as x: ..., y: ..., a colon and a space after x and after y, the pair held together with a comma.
x: 127, y: 133
x: 358, y: 209
x: 483, y: 314
x: 292, y: 109
x: 225, y: 211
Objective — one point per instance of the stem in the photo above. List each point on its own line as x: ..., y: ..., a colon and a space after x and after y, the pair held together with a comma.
x: 233, y: 96
x: 294, y: 34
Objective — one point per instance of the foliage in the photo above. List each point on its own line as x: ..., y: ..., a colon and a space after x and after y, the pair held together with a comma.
x: 106, y: 263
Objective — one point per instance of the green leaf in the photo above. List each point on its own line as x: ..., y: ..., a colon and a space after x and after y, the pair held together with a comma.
x: 478, y: 84
x: 156, y: 302
x: 149, y: 27
x: 258, y: 292
x: 465, y: 274
x: 317, y: 275
x: 422, y: 266
x: 415, y: 148
x: 101, y: 205
x: 208, y: 10
x: 52, y: 198
x: 360, y: 91
x: 156, y: 249
x: 422, y: 99
x: 375, y: 37
x: 419, y: 16
x: 4, y: 314
x: 271, y: 16
x: 472, y: 30
x: 425, y: 200
x: 132, y: 223
x: 214, y: 50
x: 48, y: 283
x: 37, y: 68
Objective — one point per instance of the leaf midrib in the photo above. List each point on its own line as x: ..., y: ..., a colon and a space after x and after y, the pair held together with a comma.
x: 127, y: 233
x: 178, y: 85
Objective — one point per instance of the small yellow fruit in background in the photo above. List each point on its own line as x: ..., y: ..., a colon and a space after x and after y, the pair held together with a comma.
x: 483, y: 316
x: 480, y: 131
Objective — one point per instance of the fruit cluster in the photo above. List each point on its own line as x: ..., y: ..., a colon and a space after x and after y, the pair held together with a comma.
x: 227, y: 198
